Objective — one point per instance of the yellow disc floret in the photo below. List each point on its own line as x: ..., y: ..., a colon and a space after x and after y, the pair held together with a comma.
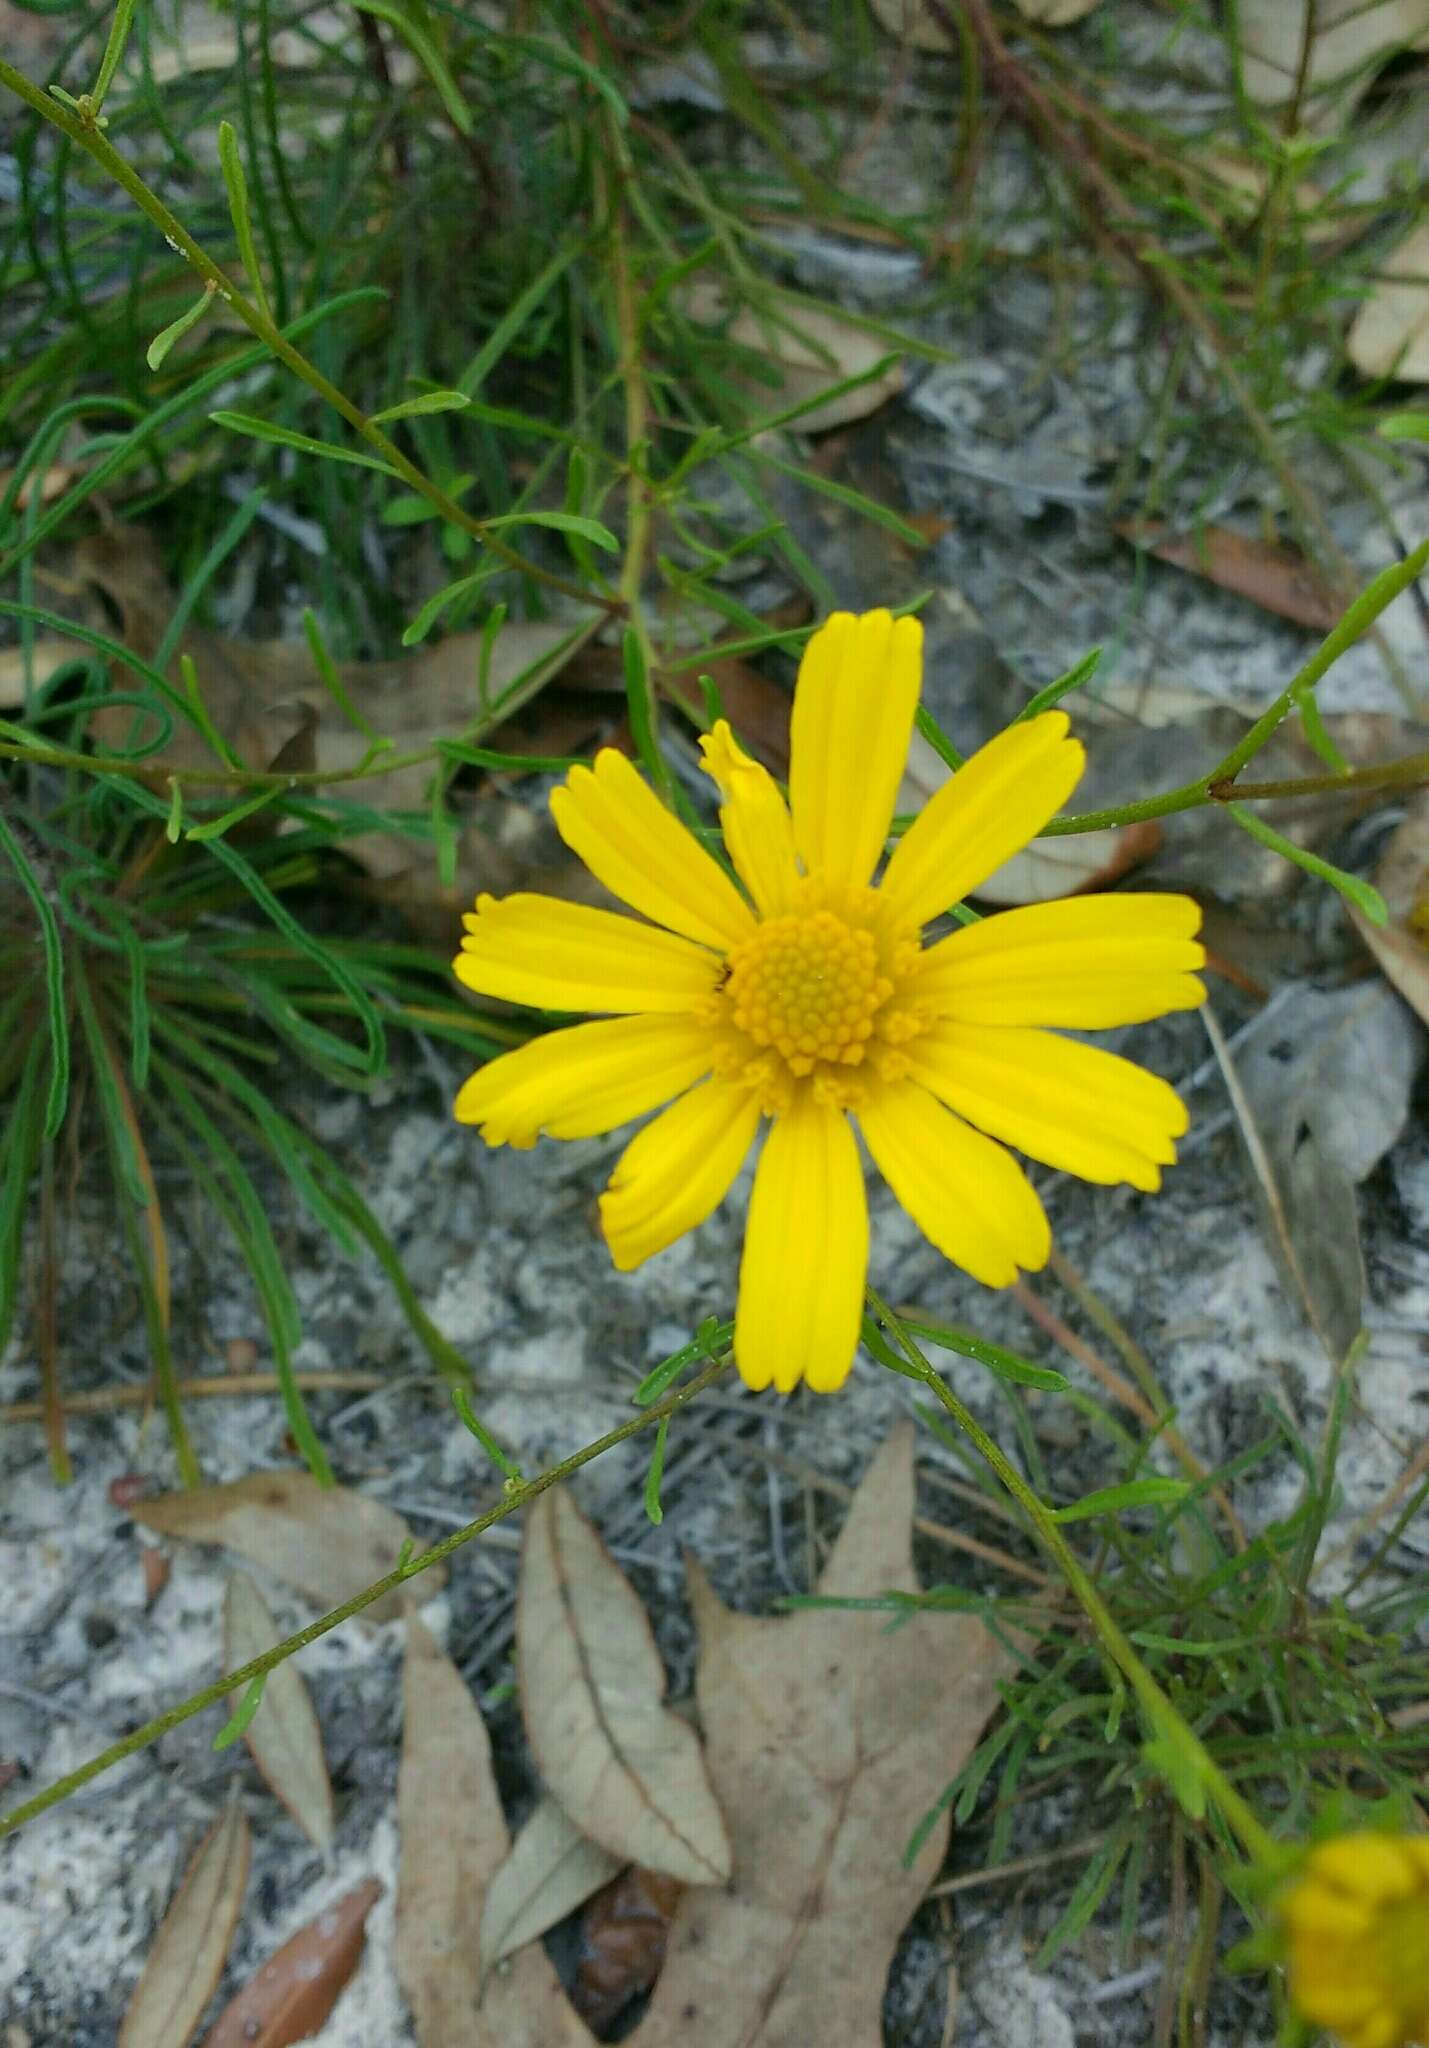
x: 1357, y: 1922
x: 809, y: 988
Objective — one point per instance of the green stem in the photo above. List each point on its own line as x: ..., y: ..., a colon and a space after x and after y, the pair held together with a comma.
x: 1216, y: 787
x: 1259, y: 1844
x: 234, y: 1681
x: 90, y: 137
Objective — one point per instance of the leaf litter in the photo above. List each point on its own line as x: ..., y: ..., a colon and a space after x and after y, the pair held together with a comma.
x: 552, y: 1869
x: 829, y: 1737
x: 627, y: 1770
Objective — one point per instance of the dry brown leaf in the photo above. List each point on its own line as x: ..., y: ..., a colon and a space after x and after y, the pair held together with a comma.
x: 1350, y: 40
x: 1277, y: 579
x: 188, y: 1952
x: 624, y: 1931
x: 293, y: 1993
x: 324, y: 1540
x: 628, y: 1771
x: 1402, y: 946
x: 1389, y: 336
x: 454, y: 1840
x: 552, y: 1869
x: 807, y: 349
x: 283, y: 1735
x: 829, y: 1737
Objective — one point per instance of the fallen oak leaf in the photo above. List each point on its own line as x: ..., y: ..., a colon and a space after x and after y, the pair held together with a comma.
x: 283, y: 1736
x: 1389, y: 336
x: 1401, y: 948
x: 453, y: 1842
x: 628, y: 1771
x: 552, y: 1869
x: 805, y: 350
x: 829, y: 1738
x: 293, y: 1993
x: 188, y: 1952
x: 325, y: 1540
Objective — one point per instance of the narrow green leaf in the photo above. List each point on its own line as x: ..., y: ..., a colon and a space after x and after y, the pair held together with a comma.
x: 176, y: 330
x: 1090, y: 1889
x: 507, y: 1467
x: 21, y: 1129
x: 937, y: 739
x: 1008, y: 1365
x: 1405, y: 426
x: 435, y: 605
x: 285, y: 437
x: 58, y: 1098
x: 564, y: 522
x: 653, y: 1477
x: 332, y: 682
x: 174, y: 823
x: 113, y: 51
x: 1052, y: 693
x: 425, y: 402
x: 515, y: 317
x: 241, y: 1718
x: 1363, y: 895
x: 1136, y: 1493
x: 121, y: 1137
x: 419, y: 41
x: 231, y: 164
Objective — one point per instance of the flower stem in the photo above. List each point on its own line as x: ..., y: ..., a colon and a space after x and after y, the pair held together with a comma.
x: 1161, y: 1715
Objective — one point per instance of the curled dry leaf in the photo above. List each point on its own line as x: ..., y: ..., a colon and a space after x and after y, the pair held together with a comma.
x: 623, y: 1935
x: 1389, y: 336
x: 454, y: 1840
x: 191, y: 1946
x: 294, y: 1992
x: 829, y: 1738
x: 283, y: 1735
x: 552, y: 1869
x: 328, y: 1542
x: 629, y: 1772
x: 807, y: 349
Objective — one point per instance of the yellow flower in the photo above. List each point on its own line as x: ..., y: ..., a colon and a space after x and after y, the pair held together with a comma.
x: 809, y: 998
x: 1356, y: 1922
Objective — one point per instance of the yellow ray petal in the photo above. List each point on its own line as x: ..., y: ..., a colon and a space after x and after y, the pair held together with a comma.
x: 1086, y: 963
x: 590, y: 1078
x: 997, y: 801
x: 568, y: 956
x: 677, y: 1170
x: 613, y: 820
x: 853, y: 717
x: 755, y: 821
x: 968, y: 1197
x: 805, y: 1254
x: 1365, y: 1866
x: 1067, y: 1104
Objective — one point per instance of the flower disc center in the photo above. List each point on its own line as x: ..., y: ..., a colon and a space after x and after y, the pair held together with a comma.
x: 808, y: 987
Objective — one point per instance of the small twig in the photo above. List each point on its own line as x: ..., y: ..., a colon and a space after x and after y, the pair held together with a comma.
x: 1016, y: 1866
x: 101, y: 1400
